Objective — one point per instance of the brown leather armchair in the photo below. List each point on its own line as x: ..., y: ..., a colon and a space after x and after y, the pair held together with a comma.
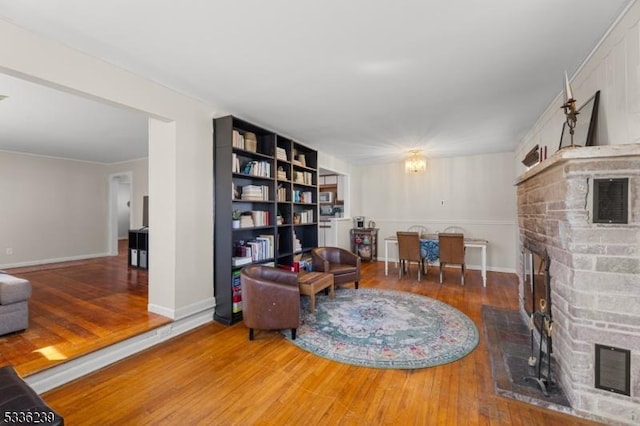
x: 270, y: 299
x: 344, y: 265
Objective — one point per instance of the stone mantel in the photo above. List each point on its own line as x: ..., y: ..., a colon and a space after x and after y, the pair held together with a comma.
x: 581, y: 153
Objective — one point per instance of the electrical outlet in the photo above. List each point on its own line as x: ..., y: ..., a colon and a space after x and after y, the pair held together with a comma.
x: 442, y: 202
x: 9, y: 251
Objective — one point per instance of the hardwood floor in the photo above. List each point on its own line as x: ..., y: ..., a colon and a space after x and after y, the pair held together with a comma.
x: 76, y: 308
x: 215, y: 375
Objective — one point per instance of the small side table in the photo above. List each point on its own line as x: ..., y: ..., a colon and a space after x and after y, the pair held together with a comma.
x: 312, y: 282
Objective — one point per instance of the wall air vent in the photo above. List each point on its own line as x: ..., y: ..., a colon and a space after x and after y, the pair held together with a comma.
x: 613, y: 369
x: 610, y: 200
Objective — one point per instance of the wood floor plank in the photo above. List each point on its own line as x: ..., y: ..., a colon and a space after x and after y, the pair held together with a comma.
x: 215, y: 375
x: 78, y: 307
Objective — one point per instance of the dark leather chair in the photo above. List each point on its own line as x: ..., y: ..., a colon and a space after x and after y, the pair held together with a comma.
x: 409, y: 251
x: 270, y: 299
x: 18, y: 399
x: 344, y: 265
x: 451, y: 251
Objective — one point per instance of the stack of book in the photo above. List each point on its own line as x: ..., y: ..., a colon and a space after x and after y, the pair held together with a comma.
x: 281, y: 154
x: 240, y: 260
x: 246, y: 220
x: 297, y: 246
x: 255, y: 193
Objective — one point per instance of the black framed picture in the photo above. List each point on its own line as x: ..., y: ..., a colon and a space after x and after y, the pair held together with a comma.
x: 585, y: 132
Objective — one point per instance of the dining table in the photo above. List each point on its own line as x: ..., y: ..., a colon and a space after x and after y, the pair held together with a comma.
x: 430, y: 250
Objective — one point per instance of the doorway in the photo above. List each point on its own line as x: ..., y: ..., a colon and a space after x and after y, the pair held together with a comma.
x: 119, y: 209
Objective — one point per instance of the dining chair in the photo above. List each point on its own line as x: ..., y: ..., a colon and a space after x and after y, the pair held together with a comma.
x: 454, y: 230
x: 451, y: 251
x: 409, y: 251
x: 421, y: 230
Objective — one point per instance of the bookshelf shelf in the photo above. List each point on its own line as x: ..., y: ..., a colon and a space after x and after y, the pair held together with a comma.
x: 272, y: 172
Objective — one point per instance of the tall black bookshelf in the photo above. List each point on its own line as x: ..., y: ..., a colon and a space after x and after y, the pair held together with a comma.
x: 272, y: 182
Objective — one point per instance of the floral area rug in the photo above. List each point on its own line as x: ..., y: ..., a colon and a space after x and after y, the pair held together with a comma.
x: 384, y: 329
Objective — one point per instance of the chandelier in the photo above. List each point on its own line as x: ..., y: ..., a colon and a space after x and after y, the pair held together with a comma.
x: 415, y: 163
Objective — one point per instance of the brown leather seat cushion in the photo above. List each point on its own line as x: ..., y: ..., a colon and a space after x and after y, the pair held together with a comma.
x: 340, y: 268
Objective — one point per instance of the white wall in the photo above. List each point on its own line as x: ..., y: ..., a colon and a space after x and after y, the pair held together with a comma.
x: 59, y: 208
x: 52, y: 209
x: 180, y: 161
x: 614, y: 69
x: 476, y: 193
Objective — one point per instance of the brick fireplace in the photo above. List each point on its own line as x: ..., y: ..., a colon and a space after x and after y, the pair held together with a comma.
x: 594, y: 270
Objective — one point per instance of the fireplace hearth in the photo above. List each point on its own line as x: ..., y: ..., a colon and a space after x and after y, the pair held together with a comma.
x: 509, y: 350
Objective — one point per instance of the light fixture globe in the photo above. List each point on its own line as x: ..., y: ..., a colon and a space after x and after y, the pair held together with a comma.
x: 415, y: 163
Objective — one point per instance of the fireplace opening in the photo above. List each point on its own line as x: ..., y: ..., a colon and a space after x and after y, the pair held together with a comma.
x: 537, y: 304
x: 535, y: 275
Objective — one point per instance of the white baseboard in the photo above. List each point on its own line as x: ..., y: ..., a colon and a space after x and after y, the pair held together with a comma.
x: 53, y: 260
x: 185, y: 311
x: 78, y: 367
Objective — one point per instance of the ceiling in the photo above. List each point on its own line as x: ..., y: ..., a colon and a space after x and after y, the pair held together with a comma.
x: 362, y: 80
x: 40, y: 120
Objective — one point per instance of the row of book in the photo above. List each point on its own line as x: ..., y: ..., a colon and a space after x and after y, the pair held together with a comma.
x: 252, y: 218
x: 303, y: 177
x: 255, y: 193
x: 235, y: 163
x: 248, y: 144
x: 282, y: 194
x: 306, y: 216
x: 257, y: 249
x: 302, y: 196
x: 257, y: 168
